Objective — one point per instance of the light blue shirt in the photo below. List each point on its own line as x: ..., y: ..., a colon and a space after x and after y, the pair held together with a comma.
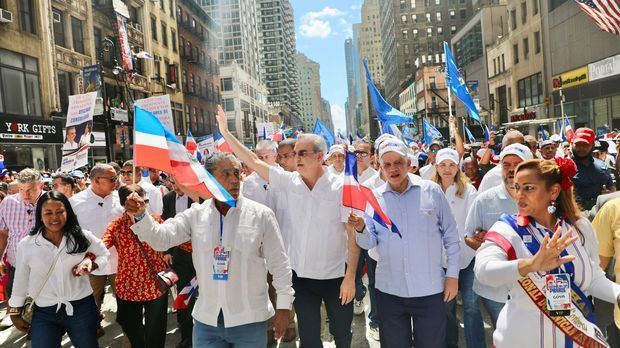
x: 411, y: 266
x: 484, y: 212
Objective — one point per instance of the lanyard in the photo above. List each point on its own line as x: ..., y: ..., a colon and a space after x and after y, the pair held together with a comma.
x: 221, y: 228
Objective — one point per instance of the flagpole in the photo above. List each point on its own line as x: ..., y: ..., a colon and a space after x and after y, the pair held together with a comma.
x: 562, y: 104
x: 133, y: 175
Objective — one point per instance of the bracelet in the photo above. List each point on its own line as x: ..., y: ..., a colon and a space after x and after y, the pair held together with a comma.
x: 361, y: 230
x: 14, y: 311
x: 138, y: 218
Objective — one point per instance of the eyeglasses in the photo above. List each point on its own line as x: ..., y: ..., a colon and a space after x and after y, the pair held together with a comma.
x: 361, y: 154
x: 286, y: 155
x: 111, y: 178
x: 304, y: 153
x: 433, y: 150
x: 126, y: 172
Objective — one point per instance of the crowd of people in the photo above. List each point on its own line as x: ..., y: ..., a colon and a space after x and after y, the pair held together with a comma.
x: 519, y: 228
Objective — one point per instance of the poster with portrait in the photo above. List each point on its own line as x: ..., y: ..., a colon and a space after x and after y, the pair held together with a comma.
x: 78, y: 130
x: 206, y: 145
x: 160, y: 107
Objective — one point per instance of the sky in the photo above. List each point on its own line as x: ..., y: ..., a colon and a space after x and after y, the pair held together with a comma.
x: 321, y: 27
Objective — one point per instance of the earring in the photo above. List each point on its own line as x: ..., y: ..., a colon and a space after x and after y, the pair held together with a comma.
x: 551, y: 209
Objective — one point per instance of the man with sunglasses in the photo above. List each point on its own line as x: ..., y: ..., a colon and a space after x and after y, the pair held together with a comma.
x: 95, y: 208
x: 322, y: 249
x: 154, y: 196
x: 428, y: 171
x: 64, y: 184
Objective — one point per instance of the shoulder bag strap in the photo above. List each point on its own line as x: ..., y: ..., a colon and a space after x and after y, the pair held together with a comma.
x: 146, y: 257
x: 49, y: 273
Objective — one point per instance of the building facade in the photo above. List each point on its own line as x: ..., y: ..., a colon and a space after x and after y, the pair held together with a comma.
x: 353, y: 105
x: 432, y: 98
x: 310, y: 91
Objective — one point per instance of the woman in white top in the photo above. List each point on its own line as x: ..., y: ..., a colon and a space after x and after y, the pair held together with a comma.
x: 51, y: 264
x: 460, y: 194
x: 537, y: 254
x: 85, y: 139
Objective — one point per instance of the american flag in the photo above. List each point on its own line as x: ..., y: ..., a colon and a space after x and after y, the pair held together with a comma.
x: 605, y: 13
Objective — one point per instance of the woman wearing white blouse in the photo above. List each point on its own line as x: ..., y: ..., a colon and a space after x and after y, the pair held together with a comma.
x: 51, y: 263
x: 460, y: 194
x: 547, y: 257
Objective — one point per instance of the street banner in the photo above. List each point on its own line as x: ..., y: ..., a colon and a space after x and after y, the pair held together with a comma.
x: 122, y: 38
x: 78, y: 130
x: 206, y: 145
x: 265, y: 130
x: 75, y: 160
x: 160, y: 107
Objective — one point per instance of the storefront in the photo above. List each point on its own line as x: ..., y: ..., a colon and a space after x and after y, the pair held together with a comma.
x: 30, y: 142
x: 524, y: 119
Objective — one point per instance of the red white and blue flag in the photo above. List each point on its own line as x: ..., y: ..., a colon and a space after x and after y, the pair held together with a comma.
x: 569, y: 133
x: 186, y: 294
x: 158, y: 148
x: 220, y: 144
x: 279, y: 135
x: 604, y: 13
x: 192, y: 146
x: 360, y: 197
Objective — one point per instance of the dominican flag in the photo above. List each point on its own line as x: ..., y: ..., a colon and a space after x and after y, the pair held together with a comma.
x: 487, y: 133
x: 192, y: 146
x: 220, y: 144
x: 279, y: 136
x: 186, y: 294
x: 158, y: 148
x: 568, y: 130
x: 357, y: 196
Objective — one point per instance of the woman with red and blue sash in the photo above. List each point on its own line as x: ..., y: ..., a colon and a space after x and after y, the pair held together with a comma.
x: 547, y: 256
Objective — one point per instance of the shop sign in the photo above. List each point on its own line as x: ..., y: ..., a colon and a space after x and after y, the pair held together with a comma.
x: 604, y: 68
x: 529, y: 113
x: 571, y: 78
x: 22, y: 130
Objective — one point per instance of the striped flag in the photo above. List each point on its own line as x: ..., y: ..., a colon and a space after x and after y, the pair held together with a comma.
x: 605, y: 13
x: 186, y: 294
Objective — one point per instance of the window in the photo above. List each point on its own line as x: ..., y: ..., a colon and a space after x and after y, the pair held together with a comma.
x: 26, y: 12
x: 494, y: 66
x: 526, y: 48
x: 154, y: 28
x: 463, y: 13
x: 184, y: 80
x: 534, y: 7
x: 453, y: 29
x: 438, y: 14
x: 171, y: 8
x: 439, y: 30
x: 437, y: 2
x: 530, y: 90
x: 156, y: 66
x: 65, y: 88
x: 415, y: 33
x: 173, y: 39
x: 19, y: 84
x: 428, y: 17
x: 429, y: 31
x: 405, y: 34
x: 523, y: 12
x: 414, y: 18
x: 59, y: 28
x: 413, y: 3
x: 403, y: 18
x: 503, y: 63
x: 513, y: 19
x: 164, y: 35
x: 537, y: 46
x: 515, y: 53
x: 452, y: 14
x: 228, y: 104
x: 78, y: 35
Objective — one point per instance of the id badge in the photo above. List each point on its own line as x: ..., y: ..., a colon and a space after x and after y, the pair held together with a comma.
x: 221, y: 261
x: 558, y: 294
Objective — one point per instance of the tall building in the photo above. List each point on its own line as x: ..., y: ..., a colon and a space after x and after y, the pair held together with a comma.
x: 370, y: 48
x: 353, y: 110
x: 310, y: 91
x: 200, y: 78
x: 238, y: 33
x: 412, y: 34
x: 327, y: 114
x: 277, y: 53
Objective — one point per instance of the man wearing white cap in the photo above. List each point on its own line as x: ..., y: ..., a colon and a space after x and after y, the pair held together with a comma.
x: 493, y: 177
x: 411, y: 283
x: 548, y: 149
x: 335, y: 158
x: 485, y: 211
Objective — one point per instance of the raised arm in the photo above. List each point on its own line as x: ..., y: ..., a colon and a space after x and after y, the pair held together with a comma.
x: 242, y: 152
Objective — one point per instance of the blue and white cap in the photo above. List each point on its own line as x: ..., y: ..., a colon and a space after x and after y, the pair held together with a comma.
x: 518, y: 150
x: 393, y: 145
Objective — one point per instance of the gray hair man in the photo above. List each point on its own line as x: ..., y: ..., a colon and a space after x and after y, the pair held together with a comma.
x: 17, y: 217
x: 493, y: 177
x: 322, y: 248
x: 286, y: 154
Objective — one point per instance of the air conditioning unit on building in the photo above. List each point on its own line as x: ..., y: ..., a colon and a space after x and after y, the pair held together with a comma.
x: 6, y: 16
x: 56, y: 17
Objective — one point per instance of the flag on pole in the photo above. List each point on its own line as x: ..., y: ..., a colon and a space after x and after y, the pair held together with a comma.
x: 604, y: 13
x: 264, y: 132
x: 322, y: 130
x: 143, y: 55
x: 360, y: 197
x: 158, y: 148
x: 430, y: 132
x: 350, y: 138
x: 457, y: 84
x: 385, y: 112
x: 470, y: 136
x: 543, y: 135
x: 191, y: 145
x: 487, y: 133
x: 568, y: 130
x: 186, y: 294
x: 220, y: 144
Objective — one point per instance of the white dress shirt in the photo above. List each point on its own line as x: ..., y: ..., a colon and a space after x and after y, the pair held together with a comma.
x: 428, y: 171
x: 491, y: 179
x: 317, y: 238
x: 372, y: 183
x: 95, y: 214
x: 367, y: 174
x: 331, y: 169
x: 460, y: 207
x: 153, y: 194
x: 35, y: 256
x: 251, y: 231
x: 257, y: 189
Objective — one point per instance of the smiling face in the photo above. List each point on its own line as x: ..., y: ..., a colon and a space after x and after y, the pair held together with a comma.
x: 364, y: 156
x: 53, y: 215
x: 267, y: 156
x: 395, y: 168
x: 447, y: 169
x: 337, y: 160
x: 228, y: 173
x: 71, y: 134
x: 532, y: 194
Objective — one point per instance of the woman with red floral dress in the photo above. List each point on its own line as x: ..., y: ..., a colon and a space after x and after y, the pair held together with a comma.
x: 142, y: 308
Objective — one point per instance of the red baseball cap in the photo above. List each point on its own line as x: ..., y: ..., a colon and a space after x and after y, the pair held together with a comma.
x: 585, y: 135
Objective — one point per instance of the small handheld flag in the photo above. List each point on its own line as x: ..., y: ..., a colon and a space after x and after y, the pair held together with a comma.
x: 186, y: 294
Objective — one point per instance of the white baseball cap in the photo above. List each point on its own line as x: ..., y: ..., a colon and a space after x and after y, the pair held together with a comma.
x: 518, y: 150
x: 447, y: 154
x: 382, y: 138
x: 393, y: 145
x: 335, y: 148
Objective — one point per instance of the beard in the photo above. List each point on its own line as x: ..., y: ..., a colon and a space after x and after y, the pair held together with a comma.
x: 582, y: 158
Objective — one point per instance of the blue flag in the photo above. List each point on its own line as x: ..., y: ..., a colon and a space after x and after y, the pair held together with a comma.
x: 487, y: 133
x: 542, y: 130
x: 430, y: 132
x: 470, y: 136
x: 322, y: 130
x: 457, y: 85
x: 386, y: 129
x: 264, y: 132
x: 3, y: 170
x: 385, y: 112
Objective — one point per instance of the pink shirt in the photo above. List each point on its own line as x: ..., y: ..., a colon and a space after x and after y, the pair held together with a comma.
x: 18, y: 217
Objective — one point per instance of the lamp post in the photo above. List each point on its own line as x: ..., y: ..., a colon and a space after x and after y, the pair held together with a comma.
x: 107, y: 44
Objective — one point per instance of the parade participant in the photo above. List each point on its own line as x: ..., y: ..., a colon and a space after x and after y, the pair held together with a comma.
x: 17, y: 219
x: 493, y: 177
x: 286, y: 155
x: 472, y: 171
x: 180, y: 257
x: 593, y: 177
x: 51, y: 264
x: 460, y: 195
x: 141, y: 306
x: 413, y: 163
x: 548, y: 149
x: 246, y: 245
x: 530, y: 141
x: 64, y: 184
x: 153, y: 194
x: 95, y: 208
x: 335, y: 158
x: 80, y: 180
x: 537, y: 254
x: 323, y: 252
x: 411, y: 284
x: 428, y: 171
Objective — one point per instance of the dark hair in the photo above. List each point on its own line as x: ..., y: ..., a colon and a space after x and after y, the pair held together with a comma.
x: 125, y: 191
x: 65, y: 178
x: 76, y: 240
